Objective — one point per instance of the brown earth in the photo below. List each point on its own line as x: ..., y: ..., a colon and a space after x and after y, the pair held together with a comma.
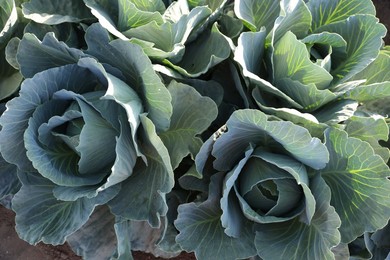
x: 13, y: 248
x: 383, y: 13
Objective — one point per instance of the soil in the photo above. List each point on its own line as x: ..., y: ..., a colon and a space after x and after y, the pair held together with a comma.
x: 383, y: 13
x: 13, y: 248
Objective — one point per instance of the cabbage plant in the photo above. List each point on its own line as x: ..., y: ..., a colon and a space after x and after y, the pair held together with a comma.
x: 232, y: 129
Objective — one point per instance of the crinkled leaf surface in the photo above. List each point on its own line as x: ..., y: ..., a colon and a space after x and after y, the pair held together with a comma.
x: 201, y: 230
x: 149, y: 183
x: 137, y: 71
x: 371, y: 130
x: 376, y: 72
x: 252, y: 126
x: 359, y: 186
x: 166, y: 40
x: 291, y: 60
x: 56, y: 11
x: 35, y: 56
x: 363, y: 35
x: 326, y: 12
x: 42, y: 217
x: 297, y: 240
x: 370, y: 92
x: 192, y: 114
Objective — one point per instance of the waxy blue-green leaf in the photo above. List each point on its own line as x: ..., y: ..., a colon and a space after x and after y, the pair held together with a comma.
x: 192, y: 115
x: 213, y: 4
x: 249, y: 52
x: 310, y: 122
x: 208, y: 50
x: 297, y: 240
x: 358, y: 179
x: 96, y: 238
x: 256, y: 14
x: 364, y: 93
x: 176, y: 10
x: 292, y: 182
x: 42, y: 217
x: 252, y: 126
x: 372, y: 130
x: 137, y: 71
x: 336, y: 112
x: 363, y: 35
x: 8, y: 20
x: 9, y: 182
x: 307, y: 95
x: 56, y: 11
x: 65, y: 32
x: 291, y: 60
x: 134, y: 13
x: 166, y: 40
x: 201, y: 230
x: 146, y: 202
x: 33, y: 93
x: 377, y: 71
x: 139, y: 236
x: 10, y: 78
x: 326, y: 12
x: 295, y: 17
x: 35, y: 56
x: 332, y: 39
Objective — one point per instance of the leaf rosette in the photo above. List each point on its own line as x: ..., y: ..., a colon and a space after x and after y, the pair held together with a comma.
x: 261, y: 190
x: 303, y: 60
x: 78, y: 132
x: 182, y: 35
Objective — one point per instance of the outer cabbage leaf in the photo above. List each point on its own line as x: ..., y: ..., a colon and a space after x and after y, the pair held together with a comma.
x: 358, y: 179
x: 146, y: 202
x: 134, y: 13
x: 137, y: 71
x: 291, y: 60
x: 56, y: 11
x: 9, y: 182
x: 371, y: 130
x: 42, y: 217
x: 376, y: 72
x: 35, y: 56
x: 192, y: 115
x: 65, y: 32
x: 201, y: 230
x: 327, y: 12
x: 295, y: 17
x: 297, y: 240
x: 32, y: 94
x: 166, y: 40
x: 363, y: 35
x: 8, y: 20
x: 209, y: 49
x: 96, y: 238
x: 256, y: 14
x: 251, y: 126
